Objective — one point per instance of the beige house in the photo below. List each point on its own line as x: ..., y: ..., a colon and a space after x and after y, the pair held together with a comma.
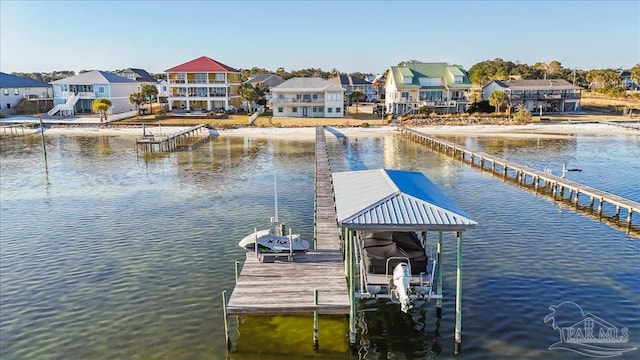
x: 441, y: 87
x: 203, y: 84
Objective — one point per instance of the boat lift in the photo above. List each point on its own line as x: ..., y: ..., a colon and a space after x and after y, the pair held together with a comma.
x: 396, y: 202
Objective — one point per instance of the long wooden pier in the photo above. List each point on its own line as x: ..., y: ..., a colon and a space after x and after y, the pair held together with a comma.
x: 149, y: 142
x: 555, y: 186
x: 311, y: 282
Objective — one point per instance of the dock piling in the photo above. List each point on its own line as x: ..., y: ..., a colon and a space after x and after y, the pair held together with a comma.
x: 315, y: 320
x: 227, y: 339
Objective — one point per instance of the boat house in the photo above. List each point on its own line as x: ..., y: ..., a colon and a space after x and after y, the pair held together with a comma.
x: 384, y: 225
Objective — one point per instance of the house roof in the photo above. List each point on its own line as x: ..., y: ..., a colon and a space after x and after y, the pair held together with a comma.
x: 348, y: 80
x: 429, y: 70
x: 94, y: 77
x: 202, y: 64
x: 12, y: 81
x: 550, y: 84
x: 271, y: 80
x: 143, y: 75
x: 395, y: 199
x: 307, y: 83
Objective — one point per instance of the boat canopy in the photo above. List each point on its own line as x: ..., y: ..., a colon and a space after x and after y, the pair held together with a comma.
x: 398, y: 200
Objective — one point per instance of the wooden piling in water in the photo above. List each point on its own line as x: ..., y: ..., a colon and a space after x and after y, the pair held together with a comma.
x: 554, y: 186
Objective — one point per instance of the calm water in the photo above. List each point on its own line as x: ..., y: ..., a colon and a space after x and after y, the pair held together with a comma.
x: 104, y: 255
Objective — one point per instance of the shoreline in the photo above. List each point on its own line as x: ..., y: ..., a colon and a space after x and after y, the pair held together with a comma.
x: 528, y: 130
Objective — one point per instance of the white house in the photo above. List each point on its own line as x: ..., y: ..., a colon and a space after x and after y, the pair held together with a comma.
x: 307, y: 97
x: 14, y: 89
x: 76, y: 94
x: 552, y: 95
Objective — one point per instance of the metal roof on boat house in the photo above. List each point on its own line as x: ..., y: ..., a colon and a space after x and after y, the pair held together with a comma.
x: 384, y: 199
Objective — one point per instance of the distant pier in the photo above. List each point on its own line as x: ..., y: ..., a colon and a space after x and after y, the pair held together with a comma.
x: 541, y: 182
x: 150, y: 142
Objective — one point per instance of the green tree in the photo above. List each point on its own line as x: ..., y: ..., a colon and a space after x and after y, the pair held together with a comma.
x: 249, y: 94
x: 357, y: 95
x: 150, y: 93
x: 137, y: 99
x: 101, y: 106
x: 497, y: 99
x: 522, y: 114
x: 549, y: 68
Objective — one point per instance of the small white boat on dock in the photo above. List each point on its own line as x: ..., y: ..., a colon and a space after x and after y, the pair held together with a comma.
x: 274, y: 241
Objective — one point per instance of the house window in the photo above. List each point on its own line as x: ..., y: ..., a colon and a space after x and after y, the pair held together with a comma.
x: 280, y: 96
x: 294, y: 109
x: 280, y: 110
x: 164, y: 88
x: 329, y: 110
x: 338, y: 110
x: 100, y: 89
x: 15, y: 91
x: 6, y: 91
x: 405, y: 95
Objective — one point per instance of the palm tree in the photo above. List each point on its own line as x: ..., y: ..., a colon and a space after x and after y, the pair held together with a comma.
x: 497, y: 99
x: 149, y: 92
x: 138, y: 99
x: 102, y: 105
x: 249, y: 94
x: 357, y: 95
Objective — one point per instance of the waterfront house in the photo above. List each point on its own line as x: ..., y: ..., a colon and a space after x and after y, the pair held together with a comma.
x: 307, y: 97
x: 350, y: 84
x: 626, y: 81
x: 140, y: 75
x: 552, y: 95
x: 270, y: 80
x: 15, y: 89
x: 203, y: 84
x: 76, y: 94
x: 440, y: 87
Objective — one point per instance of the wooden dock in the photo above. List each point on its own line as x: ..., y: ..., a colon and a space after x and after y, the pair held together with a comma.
x: 289, y: 287
x: 150, y: 143
x: 541, y: 182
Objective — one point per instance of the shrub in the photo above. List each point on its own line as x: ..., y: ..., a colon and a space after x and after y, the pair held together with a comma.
x: 522, y: 115
x: 364, y: 125
x: 481, y: 107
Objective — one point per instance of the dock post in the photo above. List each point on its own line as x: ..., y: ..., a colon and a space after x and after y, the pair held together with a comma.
x: 629, y: 215
x: 315, y: 320
x: 600, y: 206
x: 439, y: 270
x: 227, y: 339
x: 617, y: 212
x: 237, y: 270
x: 352, y: 298
x: 458, y: 331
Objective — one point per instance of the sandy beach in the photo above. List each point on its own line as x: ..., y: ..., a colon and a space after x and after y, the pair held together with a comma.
x: 529, y: 130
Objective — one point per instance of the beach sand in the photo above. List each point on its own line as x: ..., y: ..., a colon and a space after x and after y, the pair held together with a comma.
x: 529, y: 130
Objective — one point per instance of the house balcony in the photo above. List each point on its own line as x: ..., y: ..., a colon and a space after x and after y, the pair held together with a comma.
x: 199, y: 82
x: 35, y: 97
x: 195, y: 96
x: 295, y: 101
x: 521, y: 97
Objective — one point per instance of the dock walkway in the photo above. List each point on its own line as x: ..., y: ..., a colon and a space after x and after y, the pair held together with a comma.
x: 171, y: 142
x: 553, y: 185
x: 287, y: 287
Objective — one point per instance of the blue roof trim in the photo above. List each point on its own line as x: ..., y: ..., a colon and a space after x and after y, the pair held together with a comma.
x: 419, y: 186
x: 12, y: 81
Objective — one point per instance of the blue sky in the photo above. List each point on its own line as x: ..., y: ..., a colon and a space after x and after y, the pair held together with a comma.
x: 365, y: 36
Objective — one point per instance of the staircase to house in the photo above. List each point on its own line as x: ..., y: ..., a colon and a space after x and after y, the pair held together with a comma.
x: 67, y: 107
x: 255, y: 115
